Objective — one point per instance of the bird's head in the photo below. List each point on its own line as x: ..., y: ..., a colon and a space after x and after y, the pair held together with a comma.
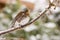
x: 25, y: 10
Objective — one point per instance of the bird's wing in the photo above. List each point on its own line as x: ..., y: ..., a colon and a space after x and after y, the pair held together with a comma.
x: 19, y: 16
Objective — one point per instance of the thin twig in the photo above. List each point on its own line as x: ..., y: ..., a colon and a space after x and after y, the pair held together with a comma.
x: 15, y: 28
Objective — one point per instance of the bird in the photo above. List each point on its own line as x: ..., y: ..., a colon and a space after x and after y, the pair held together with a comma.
x: 20, y: 16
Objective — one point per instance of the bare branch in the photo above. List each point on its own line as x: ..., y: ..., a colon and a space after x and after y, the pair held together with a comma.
x: 15, y: 28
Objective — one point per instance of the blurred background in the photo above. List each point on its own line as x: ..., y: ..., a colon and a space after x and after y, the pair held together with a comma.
x: 45, y: 28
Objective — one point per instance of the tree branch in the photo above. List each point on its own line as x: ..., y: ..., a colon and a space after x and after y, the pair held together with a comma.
x: 15, y: 28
